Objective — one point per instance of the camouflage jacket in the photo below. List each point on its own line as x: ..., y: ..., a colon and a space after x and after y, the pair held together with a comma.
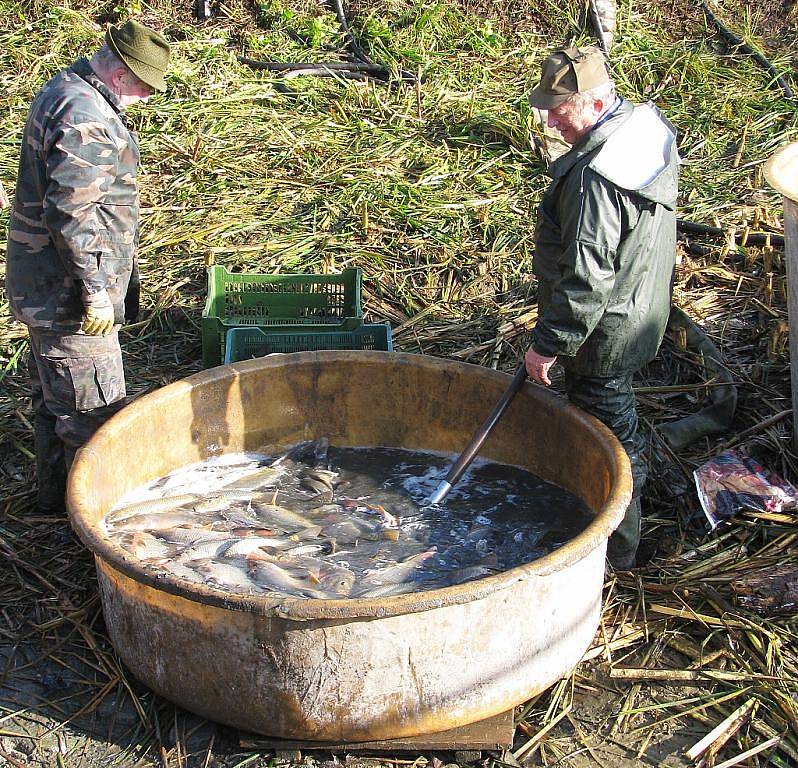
x: 74, y: 226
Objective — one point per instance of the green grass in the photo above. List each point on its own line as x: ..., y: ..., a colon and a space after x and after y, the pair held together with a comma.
x: 431, y: 188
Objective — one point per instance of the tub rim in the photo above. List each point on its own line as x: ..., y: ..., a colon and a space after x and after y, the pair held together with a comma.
x: 303, y: 609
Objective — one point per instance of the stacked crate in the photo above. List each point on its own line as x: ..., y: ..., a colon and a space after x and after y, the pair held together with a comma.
x: 250, y: 315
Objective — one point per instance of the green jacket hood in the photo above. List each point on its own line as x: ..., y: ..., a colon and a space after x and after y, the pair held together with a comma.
x: 635, y: 149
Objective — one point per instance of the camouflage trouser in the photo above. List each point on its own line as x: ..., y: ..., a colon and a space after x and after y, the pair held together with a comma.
x: 612, y: 401
x: 77, y: 383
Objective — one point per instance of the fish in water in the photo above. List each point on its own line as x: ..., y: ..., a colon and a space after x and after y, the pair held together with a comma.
x: 352, y: 531
x: 182, y: 572
x: 204, y: 550
x: 227, y: 497
x: 144, y: 546
x: 307, y: 451
x: 386, y: 590
x: 336, y: 580
x: 188, y: 536
x: 324, y: 476
x: 397, y: 573
x: 281, y: 518
x: 318, y: 490
x: 321, y: 483
x: 469, y: 574
x: 310, y: 549
x: 156, y: 521
x: 390, y: 520
x: 302, y: 566
x: 151, y: 507
x: 263, y: 477
x: 268, y: 574
x: 246, y: 546
x: 272, y: 528
x: 227, y: 576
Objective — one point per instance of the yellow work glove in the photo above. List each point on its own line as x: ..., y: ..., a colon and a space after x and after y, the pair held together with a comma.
x: 98, y: 320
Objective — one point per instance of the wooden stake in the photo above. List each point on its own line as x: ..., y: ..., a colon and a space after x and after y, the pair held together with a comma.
x: 780, y: 171
x: 791, y: 254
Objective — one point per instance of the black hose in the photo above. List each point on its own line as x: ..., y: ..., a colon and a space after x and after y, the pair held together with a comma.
x: 322, y: 70
x: 478, y: 439
x: 595, y: 20
x: 288, y: 66
x: 753, y: 238
x: 351, y: 43
x: 355, y: 48
x: 736, y: 41
x: 361, y: 68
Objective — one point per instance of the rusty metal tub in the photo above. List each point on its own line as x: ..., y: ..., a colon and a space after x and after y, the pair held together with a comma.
x: 352, y: 670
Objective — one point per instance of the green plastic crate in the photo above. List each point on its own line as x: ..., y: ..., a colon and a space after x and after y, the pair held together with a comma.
x: 245, y: 343
x: 325, y: 302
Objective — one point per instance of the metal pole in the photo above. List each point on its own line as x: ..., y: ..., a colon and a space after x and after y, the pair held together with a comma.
x: 479, y: 437
x: 781, y: 171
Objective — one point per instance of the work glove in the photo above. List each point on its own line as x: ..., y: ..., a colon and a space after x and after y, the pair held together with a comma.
x: 98, y: 319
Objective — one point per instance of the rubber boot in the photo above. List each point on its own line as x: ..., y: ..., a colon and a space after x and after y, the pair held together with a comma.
x: 51, y: 469
x: 622, y: 546
x: 611, y: 400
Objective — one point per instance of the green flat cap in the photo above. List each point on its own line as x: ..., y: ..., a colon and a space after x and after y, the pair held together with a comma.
x: 566, y: 72
x: 142, y: 50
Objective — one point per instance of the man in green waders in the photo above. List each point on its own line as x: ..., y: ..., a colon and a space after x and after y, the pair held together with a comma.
x: 72, y: 242
x: 605, y: 253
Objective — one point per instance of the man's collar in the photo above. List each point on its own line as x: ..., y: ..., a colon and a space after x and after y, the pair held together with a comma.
x: 593, y: 139
x: 82, y: 68
x: 608, y: 113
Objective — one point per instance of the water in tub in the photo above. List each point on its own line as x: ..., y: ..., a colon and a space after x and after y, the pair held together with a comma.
x: 319, y: 521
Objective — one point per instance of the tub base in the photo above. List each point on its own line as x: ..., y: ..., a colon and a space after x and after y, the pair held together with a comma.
x: 494, y: 733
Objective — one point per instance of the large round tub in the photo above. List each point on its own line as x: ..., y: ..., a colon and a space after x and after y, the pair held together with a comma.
x: 354, y: 670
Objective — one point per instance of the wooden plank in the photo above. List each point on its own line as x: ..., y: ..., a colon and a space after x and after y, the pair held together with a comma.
x: 494, y: 733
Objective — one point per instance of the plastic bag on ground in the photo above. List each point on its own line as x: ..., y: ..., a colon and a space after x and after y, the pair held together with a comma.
x: 733, y: 482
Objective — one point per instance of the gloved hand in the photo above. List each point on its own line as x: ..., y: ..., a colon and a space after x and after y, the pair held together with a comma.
x: 98, y: 319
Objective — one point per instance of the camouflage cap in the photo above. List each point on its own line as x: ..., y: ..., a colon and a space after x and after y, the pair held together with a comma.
x: 566, y: 72
x: 142, y: 50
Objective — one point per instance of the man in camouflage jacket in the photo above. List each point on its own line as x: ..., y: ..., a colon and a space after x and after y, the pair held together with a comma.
x: 605, y: 251
x: 72, y: 239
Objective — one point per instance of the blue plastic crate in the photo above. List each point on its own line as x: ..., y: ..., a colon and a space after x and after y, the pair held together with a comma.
x: 248, y: 342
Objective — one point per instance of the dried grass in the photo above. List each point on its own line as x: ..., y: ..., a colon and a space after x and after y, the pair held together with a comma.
x: 432, y: 192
